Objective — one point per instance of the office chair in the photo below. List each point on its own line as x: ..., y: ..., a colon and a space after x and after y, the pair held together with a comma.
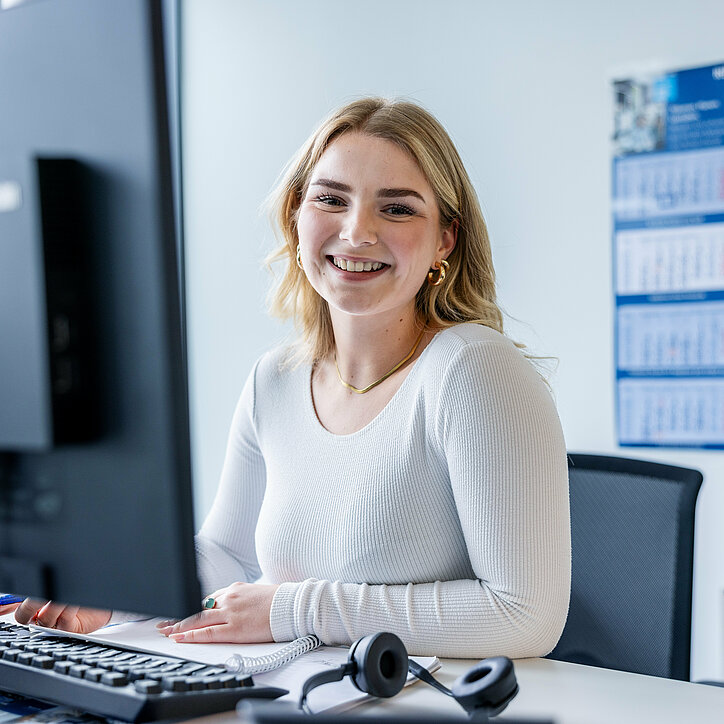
x: 632, y: 535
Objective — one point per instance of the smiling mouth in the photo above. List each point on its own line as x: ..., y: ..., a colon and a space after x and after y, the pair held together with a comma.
x: 356, y: 266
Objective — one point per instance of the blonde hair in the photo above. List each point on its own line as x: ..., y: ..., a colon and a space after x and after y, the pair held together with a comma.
x: 468, y: 293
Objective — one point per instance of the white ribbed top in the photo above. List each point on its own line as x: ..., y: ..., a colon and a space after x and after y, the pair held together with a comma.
x: 444, y: 520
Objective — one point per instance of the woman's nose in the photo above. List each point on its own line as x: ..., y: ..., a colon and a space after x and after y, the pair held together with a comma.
x: 359, y: 228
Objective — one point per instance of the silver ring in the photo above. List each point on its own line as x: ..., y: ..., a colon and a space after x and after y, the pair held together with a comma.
x: 209, y: 602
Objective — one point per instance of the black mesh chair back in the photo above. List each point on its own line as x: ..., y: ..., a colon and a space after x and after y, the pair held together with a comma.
x: 632, y: 536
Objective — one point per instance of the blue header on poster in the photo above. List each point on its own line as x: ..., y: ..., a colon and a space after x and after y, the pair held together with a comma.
x: 695, y: 108
x: 675, y: 111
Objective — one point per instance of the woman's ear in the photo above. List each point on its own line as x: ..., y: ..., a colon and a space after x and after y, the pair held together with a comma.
x: 449, y: 239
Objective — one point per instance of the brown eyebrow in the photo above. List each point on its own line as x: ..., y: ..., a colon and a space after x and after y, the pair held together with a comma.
x: 395, y: 193
x: 381, y: 194
x: 336, y: 185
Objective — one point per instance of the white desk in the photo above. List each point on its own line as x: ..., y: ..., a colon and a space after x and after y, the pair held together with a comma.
x: 576, y: 694
x: 565, y: 693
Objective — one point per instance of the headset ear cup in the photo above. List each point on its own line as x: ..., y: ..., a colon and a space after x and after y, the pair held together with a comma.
x: 381, y: 664
x: 490, y: 684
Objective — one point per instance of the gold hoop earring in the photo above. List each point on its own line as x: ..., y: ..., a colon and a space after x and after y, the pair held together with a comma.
x: 441, y: 269
x: 299, y: 257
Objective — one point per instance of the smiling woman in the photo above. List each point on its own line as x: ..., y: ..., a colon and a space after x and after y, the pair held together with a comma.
x: 402, y: 466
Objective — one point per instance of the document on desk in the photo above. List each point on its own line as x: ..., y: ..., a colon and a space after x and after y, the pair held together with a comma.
x: 339, y: 696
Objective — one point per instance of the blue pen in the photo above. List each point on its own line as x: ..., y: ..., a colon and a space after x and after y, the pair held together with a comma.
x: 7, y: 598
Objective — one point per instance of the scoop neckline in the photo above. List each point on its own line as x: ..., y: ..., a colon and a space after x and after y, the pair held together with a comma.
x: 309, y: 401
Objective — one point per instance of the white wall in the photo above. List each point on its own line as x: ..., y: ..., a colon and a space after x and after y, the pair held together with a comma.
x: 523, y: 89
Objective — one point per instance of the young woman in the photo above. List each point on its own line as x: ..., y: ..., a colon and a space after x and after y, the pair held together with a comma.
x: 402, y: 468
x: 405, y: 470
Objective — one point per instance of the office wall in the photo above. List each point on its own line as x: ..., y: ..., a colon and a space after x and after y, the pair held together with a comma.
x: 522, y: 88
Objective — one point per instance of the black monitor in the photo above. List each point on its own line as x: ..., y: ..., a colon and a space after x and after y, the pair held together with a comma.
x: 95, y: 474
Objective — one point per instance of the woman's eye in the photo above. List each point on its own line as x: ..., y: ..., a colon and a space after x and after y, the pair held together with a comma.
x: 400, y: 210
x: 328, y: 200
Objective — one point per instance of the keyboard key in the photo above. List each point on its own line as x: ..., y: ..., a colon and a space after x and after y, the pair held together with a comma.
x: 63, y: 667
x: 228, y: 681
x: 47, y: 650
x: 211, y: 671
x: 148, y: 687
x: 190, y: 668
x: 171, y: 666
x: 175, y: 683
x: 43, y: 662
x: 196, y: 683
x: 78, y: 670
x: 156, y: 663
x: 137, y: 660
x: 113, y: 678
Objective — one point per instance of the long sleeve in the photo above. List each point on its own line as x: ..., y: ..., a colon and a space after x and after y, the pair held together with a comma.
x: 492, y: 492
x: 225, y: 547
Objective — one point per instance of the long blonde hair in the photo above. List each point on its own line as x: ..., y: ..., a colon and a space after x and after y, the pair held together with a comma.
x: 468, y: 293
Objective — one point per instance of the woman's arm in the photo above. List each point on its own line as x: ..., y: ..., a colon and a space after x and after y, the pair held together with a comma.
x: 225, y: 547
x: 502, y: 440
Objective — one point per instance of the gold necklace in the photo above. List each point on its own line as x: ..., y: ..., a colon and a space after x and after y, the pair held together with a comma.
x: 385, y: 376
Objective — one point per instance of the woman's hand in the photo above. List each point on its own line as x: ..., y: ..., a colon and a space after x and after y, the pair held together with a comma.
x: 59, y: 615
x: 241, y: 616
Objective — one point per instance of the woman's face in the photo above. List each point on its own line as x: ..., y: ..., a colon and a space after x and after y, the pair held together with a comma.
x: 369, y: 227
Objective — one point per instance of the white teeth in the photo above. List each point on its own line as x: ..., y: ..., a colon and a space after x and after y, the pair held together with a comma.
x: 356, y: 266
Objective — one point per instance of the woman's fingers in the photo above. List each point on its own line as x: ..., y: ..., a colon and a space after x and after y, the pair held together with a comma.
x: 165, y: 627
x: 66, y: 618
x: 52, y: 613
x: 61, y: 616
x: 28, y: 609
x: 205, y: 617
x: 209, y: 617
x: 210, y: 634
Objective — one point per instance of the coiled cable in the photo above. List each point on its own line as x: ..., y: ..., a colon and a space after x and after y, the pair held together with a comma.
x: 248, y: 665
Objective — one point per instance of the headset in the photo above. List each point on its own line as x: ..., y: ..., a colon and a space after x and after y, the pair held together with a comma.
x: 378, y: 665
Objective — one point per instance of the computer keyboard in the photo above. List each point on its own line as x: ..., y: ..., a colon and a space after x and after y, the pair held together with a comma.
x: 115, y: 682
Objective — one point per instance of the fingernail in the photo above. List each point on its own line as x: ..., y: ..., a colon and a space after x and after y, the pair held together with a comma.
x: 178, y: 638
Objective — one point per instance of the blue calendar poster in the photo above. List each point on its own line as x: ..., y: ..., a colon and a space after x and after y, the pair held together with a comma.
x: 668, y: 257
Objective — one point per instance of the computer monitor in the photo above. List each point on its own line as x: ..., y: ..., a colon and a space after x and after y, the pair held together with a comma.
x: 95, y: 474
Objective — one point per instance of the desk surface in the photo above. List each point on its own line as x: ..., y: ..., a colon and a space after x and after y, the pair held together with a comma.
x: 567, y: 694
x: 576, y: 694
